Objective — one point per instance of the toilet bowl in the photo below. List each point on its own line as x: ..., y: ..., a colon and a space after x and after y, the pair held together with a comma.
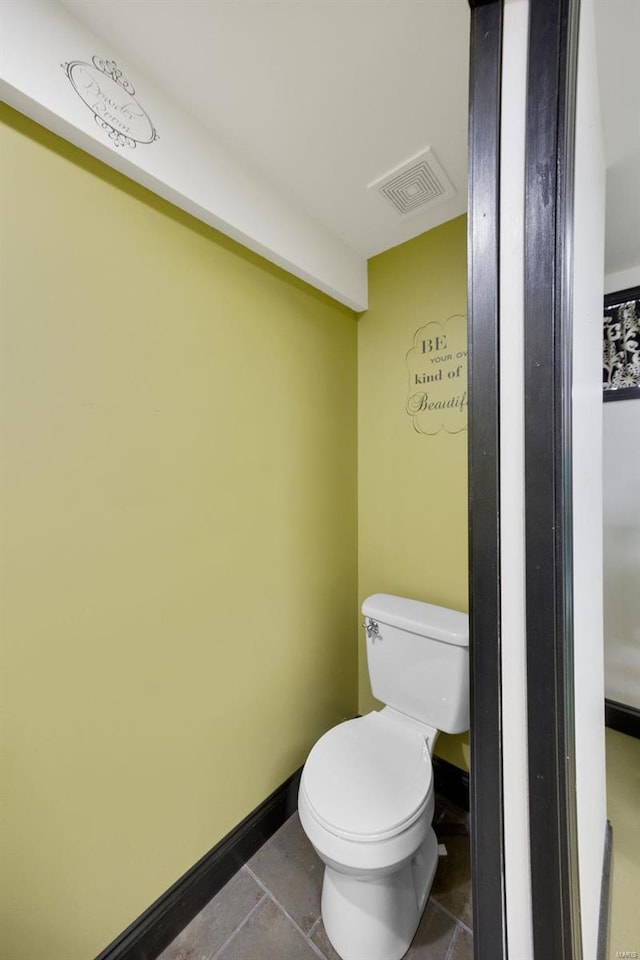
x: 366, y: 803
x: 366, y: 796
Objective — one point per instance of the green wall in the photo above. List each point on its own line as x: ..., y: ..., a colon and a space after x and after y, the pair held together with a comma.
x: 178, y: 542
x: 412, y: 487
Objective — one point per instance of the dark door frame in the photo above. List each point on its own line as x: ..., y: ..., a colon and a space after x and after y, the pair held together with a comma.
x: 548, y: 282
x: 548, y: 278
x: 487, y: 822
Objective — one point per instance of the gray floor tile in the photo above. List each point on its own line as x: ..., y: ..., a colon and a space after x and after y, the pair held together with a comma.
x: 289, y: 867
x: 268, y: 935
x: 450, y: 819
x: 452, y: 883
x: 323, y: 943
x: 213, y: 926
x: 463, y: 946
x: 434, y: 935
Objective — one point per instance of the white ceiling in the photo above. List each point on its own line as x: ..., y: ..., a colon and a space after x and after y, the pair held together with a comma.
x: 322, y: 97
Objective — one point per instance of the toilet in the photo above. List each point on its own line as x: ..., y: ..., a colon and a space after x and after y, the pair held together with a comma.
x: 366, y: 792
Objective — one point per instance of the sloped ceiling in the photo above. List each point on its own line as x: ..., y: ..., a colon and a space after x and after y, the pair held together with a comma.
x: 322, y: 97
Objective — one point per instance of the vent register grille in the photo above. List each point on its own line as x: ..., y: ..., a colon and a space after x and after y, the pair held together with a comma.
x: 419, y: 182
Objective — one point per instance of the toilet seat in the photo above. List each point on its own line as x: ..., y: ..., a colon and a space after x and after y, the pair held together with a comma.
x: 369, y: 779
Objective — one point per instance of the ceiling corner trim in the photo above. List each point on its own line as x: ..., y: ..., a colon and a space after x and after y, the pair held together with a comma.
x: 62, y: 76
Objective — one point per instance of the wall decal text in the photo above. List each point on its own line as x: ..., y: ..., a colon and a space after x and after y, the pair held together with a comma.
x: 102, y: 86
x: 437, y: 367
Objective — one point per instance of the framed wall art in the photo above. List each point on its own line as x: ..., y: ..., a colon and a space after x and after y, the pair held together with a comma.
x: 621, y: 345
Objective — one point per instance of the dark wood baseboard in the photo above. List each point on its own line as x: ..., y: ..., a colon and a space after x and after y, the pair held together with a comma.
x: 622, y: 717
x: 154, y: 930
x: 603, y: 923
x: 451, y: 782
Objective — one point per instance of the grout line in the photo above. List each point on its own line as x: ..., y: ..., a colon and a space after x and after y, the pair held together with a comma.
x: 314, y: 946
x: 452, y: 915
x: 242, y: 923
x: 316, y: 949
x: 287, y: 914
x: 314, y: 928
x: 452, y: 943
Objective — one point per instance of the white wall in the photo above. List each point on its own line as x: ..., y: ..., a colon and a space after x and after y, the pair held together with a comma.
x: 587, y: 483
x: 622, y: 551
x: 621, y: 488
x: 622, y: 279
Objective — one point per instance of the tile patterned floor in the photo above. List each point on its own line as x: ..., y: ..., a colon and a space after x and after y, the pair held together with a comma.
x: 270, y: 910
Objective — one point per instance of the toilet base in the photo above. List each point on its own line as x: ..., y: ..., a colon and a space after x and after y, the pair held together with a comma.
x: 377, y: 919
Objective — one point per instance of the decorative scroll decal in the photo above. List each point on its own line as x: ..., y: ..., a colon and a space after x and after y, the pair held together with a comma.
x: 437, y: 365
x: 111, y: 98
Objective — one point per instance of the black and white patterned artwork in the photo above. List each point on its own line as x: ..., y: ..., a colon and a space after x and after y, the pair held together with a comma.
x: 621, y: 342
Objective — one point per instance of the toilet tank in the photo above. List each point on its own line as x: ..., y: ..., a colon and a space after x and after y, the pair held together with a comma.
x: 418, y: 657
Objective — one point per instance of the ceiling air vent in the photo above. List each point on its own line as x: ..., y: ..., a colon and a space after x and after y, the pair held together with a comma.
x: 418, y: 183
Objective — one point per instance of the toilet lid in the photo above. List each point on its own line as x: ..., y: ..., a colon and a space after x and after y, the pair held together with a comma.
x: 368, y: 779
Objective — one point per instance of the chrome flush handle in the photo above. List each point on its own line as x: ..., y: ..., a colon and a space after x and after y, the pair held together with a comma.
x: 372, y: 629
